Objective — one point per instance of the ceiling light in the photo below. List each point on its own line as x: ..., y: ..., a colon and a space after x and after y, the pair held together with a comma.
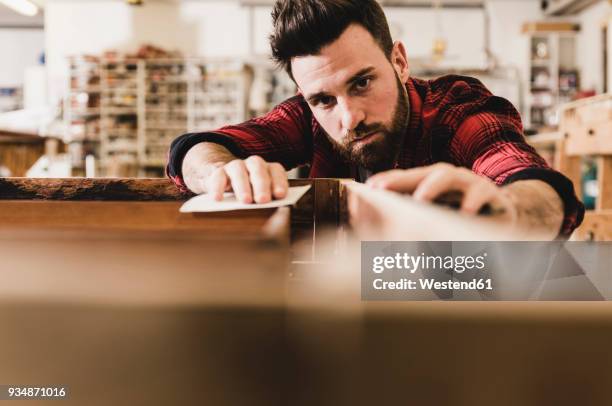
x: 24, y: 7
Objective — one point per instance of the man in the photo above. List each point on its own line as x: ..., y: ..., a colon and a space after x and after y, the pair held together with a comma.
x: 359, y: 114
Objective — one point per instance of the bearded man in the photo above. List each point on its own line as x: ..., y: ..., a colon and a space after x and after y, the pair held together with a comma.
x: 359, y: 114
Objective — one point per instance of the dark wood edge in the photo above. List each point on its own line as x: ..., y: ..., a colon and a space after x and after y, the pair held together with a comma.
x: 106, y: 189
x: 80, y: 189
x: 10, y: 136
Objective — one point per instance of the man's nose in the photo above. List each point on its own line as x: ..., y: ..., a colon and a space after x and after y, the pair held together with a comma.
x: 352, y: 115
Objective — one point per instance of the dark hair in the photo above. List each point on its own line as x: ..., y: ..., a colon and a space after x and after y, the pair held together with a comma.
x: 304, y: 27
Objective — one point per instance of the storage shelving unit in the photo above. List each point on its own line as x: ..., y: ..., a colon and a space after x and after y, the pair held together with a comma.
x: 162, y: 108
x: 143, y: 104
x: 119, y: 112
x: 553, y: 76
x: 187, y: 96
x: 82, y: 110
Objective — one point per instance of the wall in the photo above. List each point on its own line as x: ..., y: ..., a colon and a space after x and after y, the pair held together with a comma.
x: 221, y: 29
x: 92, y: 27
x: 508, y: 43
x: 463, y: 30
x: 589, y: 42
x: 20, y: 48
x: 609, y: 73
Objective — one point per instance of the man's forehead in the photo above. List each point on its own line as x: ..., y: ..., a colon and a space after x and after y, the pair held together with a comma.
x: 336, y: 63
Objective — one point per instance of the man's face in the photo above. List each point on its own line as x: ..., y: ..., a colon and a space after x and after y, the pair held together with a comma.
x: 358, y: 97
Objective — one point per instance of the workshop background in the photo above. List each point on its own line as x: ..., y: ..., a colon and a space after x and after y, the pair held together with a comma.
x: 99, y: 88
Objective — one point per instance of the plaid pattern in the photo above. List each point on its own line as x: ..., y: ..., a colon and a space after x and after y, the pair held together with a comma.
x: 453, y: 119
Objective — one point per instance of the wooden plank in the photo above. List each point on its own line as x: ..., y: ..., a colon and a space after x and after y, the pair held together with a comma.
x: 326, y: 217
x: 19, y: 158
x: 142, y: 216
x: 303, y: 215
x: 119, y: 189
x: 384, y: 215
x: 140, y: 268
x: 90, y: 189
x: 9, y: 136
x: 604, y: 183
x: 570, y: 166
x: 597, y: 226
x: 593, y: 139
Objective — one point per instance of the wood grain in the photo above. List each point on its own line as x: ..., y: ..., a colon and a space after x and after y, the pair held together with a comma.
x: 597, y: 226
x: 604, y: 183
x: 90, y: 189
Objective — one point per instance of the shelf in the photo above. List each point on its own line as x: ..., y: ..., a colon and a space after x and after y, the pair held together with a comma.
x: 165, y: 127
x: 176, y: 90
x: 540, y: 89
x: 86, y: 89
x: 92, y: 112
x: 113, y: 111
x: 544, y: 139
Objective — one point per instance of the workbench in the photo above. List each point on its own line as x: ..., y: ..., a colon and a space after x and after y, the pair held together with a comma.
x: 19, y: 151
x: 108, y: 289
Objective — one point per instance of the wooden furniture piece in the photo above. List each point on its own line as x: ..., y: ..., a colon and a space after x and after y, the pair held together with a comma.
x: 108, y: 289
x: 587, y: 129
x: 153, y: 204
x: 381, y: 215
x: 19, y: 151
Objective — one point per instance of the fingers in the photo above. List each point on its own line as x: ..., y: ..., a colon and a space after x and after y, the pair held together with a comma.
x: 476, y: 197
x: 429, y: 183
x: 280, y: 184
x: 438, y: 182
x: 260, y: 179
x: 217, y: 183
x: 239, y: 178
x: 403, y: 181
x: 253, y: 180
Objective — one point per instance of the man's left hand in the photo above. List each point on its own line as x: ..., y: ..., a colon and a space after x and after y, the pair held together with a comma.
x: 428, y: 183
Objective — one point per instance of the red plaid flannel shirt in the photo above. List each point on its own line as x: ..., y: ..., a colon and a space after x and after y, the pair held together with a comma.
x: 453, y: 119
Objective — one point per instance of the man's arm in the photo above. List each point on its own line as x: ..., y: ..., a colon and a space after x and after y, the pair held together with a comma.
x: 246, y: 157
x: 210, y: 167
x: 491, y: 144
x: 538, y: 207
x: 530, y: 207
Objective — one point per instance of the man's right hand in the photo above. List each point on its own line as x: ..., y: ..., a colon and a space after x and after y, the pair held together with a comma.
x: 213, y: 169
x: 252, y: 180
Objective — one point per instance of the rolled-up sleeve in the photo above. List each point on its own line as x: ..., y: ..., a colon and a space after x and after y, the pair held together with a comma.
x: 493, y: 145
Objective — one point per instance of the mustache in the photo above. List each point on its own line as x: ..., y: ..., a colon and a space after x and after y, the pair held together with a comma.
x: 363, y: 130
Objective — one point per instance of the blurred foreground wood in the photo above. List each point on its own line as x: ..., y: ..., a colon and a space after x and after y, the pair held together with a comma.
x: 129, y: 302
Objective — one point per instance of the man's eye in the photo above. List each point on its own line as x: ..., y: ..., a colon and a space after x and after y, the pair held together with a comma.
x: 326, y: 101
x: 363, y: 83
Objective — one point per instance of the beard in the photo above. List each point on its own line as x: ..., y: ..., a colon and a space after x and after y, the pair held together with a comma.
x: 379, y: 154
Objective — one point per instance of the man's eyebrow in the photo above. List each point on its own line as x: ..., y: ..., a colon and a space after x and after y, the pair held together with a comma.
x: 315, y: 97
x: 360, y: 75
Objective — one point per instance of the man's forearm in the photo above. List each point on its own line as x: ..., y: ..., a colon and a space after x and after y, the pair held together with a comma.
x: 200, y: 161
x: 539, y: 209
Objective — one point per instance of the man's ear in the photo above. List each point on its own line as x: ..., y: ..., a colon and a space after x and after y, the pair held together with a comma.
x: 399, y: 60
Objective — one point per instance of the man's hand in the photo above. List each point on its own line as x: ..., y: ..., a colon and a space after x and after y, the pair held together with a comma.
x: 428, y: 183
x: 530, y: 206
x: 213, y: 169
